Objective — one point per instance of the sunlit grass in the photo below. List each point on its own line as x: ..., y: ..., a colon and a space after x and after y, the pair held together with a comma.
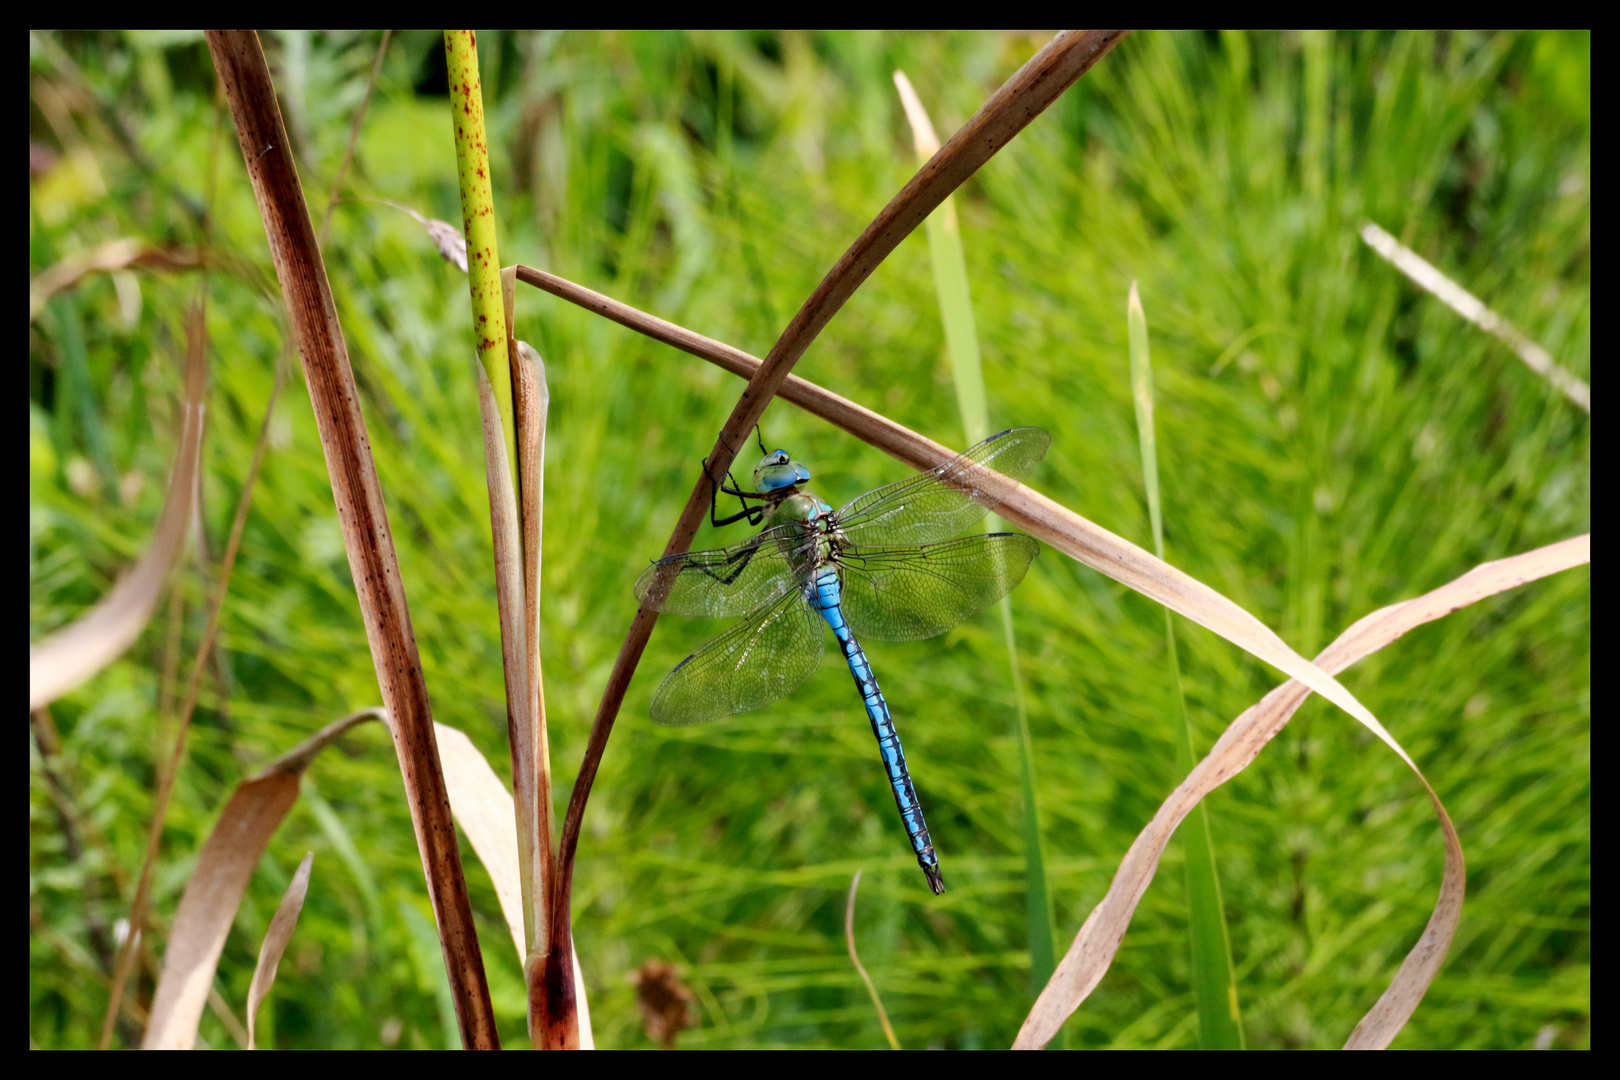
x: 1361, y: 445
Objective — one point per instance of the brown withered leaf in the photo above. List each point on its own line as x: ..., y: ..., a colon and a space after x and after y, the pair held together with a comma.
x: 665, y: 1002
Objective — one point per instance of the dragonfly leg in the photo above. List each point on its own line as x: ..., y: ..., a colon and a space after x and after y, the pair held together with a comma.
x: 752, y: 514
x: 736, y: 564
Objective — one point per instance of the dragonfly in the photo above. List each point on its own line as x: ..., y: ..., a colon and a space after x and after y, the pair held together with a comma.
x: 890, y: 566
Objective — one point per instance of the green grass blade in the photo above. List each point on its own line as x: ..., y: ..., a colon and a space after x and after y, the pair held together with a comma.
x: 423, y: 937
x: 956, y: 312
x: 962, y: 344
x: 1037, y: 896
x: 1214, y: 986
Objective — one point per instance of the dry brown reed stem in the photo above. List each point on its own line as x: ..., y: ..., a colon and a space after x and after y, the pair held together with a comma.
x: 1023, y: 97
x: 239, y: 61
x: 901, y: 443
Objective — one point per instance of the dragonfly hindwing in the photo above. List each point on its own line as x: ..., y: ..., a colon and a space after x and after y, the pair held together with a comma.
x: 751, y: 665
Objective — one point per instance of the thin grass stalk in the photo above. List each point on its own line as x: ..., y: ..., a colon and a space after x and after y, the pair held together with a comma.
x: 74, y: 824
x: 860, y: 968
x: 368, y: 541
x: 1026, y: 95
x: 354, y: 136
x: 1215, y: 994
x: 962, y: 345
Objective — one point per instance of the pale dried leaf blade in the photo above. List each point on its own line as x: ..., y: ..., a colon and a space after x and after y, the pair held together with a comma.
x: 1130, y: 565
x: 532, y: 355
x: 452, y: 245
x: 68, y: 657
x: 531, y: 398
x: 484, y: 809
x: 922, y: 128
x: 282, y: 925
x: 208, y: 906
x: 506, y: 532
x: 107, y: 257
x: 1470, y: 307
x: 855, y: 957
x: 1099, y: 938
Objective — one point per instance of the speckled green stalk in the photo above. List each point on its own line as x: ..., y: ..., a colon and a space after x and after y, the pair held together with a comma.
x: 478, y: 223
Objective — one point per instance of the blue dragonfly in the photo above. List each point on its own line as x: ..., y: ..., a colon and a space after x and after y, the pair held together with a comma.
x: 889, y: 565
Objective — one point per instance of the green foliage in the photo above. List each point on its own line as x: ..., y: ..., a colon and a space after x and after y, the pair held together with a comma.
x: 1331, y: 440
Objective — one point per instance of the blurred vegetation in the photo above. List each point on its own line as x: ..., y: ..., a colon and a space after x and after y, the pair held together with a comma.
x: 1331, y: 440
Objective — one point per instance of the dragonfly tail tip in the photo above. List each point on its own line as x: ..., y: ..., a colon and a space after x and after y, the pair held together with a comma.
x: 935, y: 882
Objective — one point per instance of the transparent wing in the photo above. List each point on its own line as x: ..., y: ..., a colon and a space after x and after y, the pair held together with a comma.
x: 748, y: 666
x: 946, y: 499
x: 723, y: 582
x: 903, y: 594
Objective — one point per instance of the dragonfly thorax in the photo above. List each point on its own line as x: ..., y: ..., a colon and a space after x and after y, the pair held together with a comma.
x: 777, y: 471
x: 817, y: 525
x: 801, y: 508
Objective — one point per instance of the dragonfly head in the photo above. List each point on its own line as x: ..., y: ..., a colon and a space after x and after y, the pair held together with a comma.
x: 777, y: 471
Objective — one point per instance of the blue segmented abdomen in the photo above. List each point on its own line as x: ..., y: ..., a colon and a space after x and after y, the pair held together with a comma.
x: 827, y: 599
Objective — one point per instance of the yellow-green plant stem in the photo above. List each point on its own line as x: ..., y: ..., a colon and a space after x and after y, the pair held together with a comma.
x: 478, y: 224
x: 1214, y: 985
x: 489, y: 302
x: 962, y: 344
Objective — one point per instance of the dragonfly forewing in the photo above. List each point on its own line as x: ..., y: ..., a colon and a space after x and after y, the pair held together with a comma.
x: 768, y: 655
x: 910, y: 593
x: 948, y: 498
x: 723, y: 582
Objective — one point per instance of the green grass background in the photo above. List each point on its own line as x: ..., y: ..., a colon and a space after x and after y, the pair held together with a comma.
x: 1331, y: 440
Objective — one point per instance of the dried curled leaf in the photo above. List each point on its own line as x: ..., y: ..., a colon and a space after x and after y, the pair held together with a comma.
x: 74, y: 653
x: 282, y: 925
x: 451, y: 243
x: 208, y: 906
x: 1088, y: 958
